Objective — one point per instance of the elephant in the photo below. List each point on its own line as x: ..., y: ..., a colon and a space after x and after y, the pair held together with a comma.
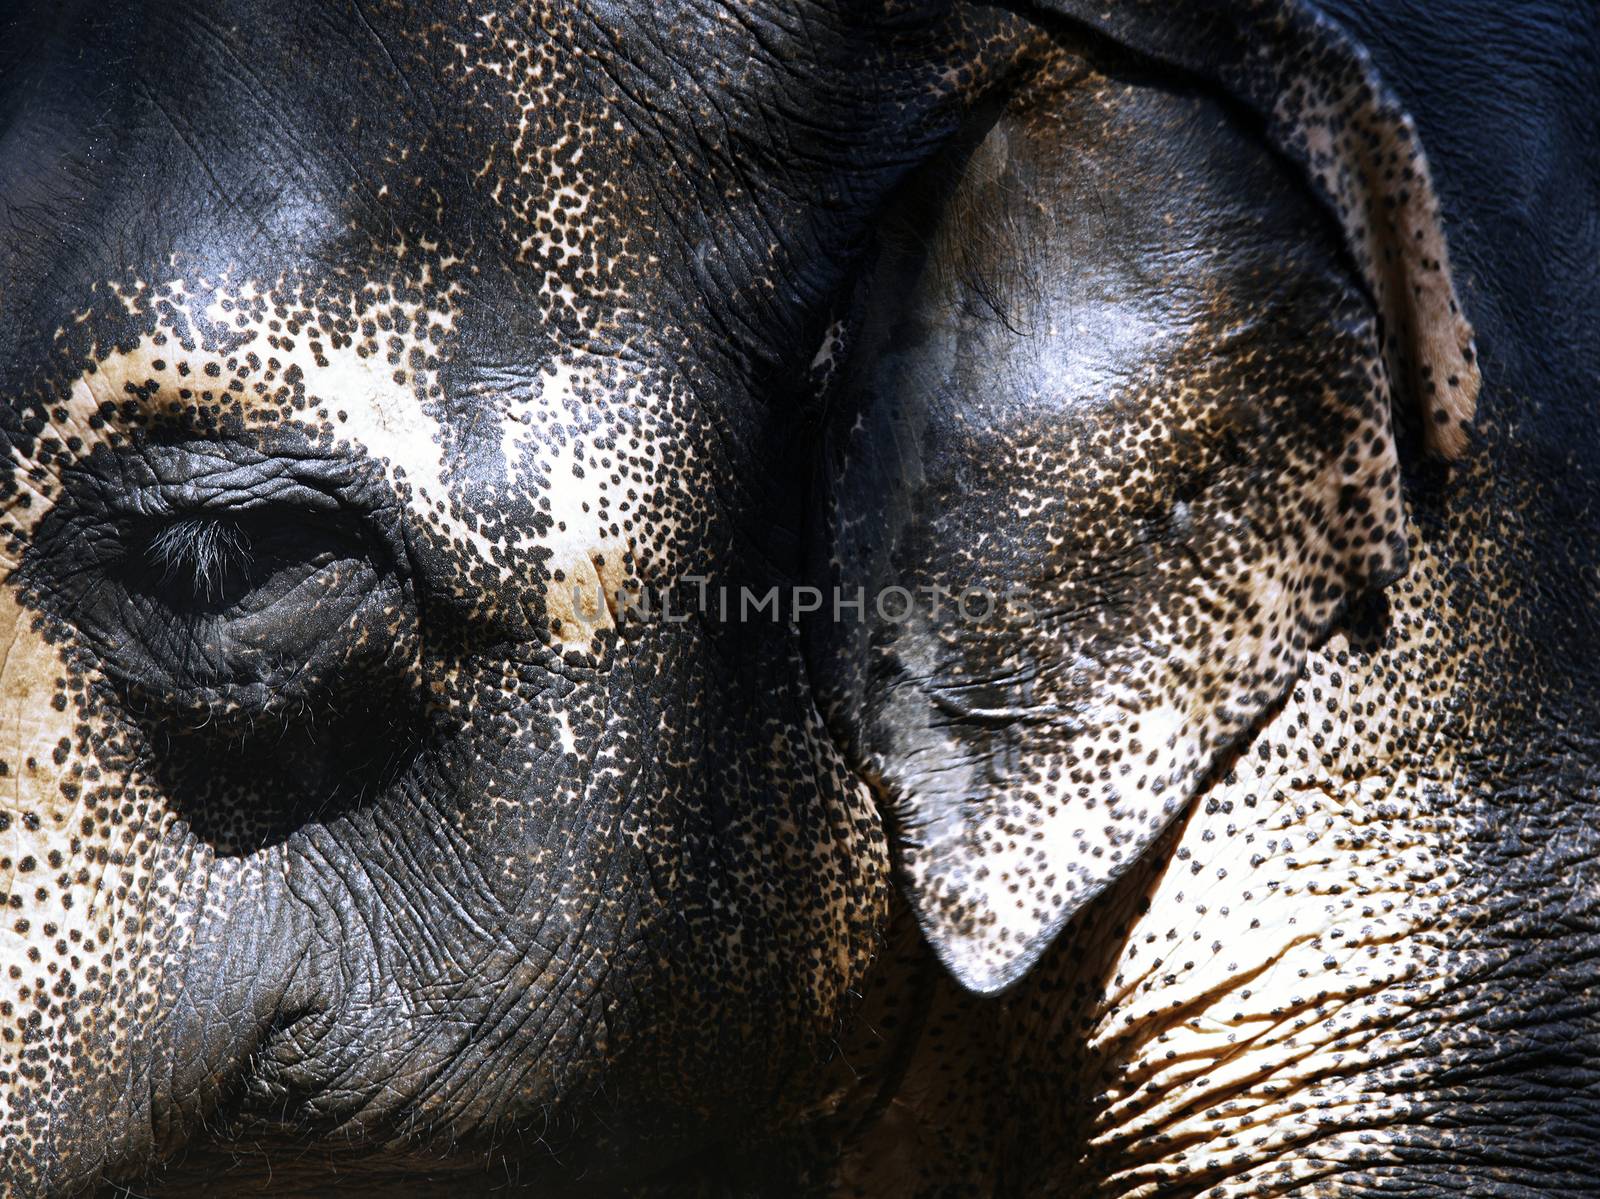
x: 799, y: 597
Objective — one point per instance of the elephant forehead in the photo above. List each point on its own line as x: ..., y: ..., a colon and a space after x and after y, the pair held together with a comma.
x: 483, y: 253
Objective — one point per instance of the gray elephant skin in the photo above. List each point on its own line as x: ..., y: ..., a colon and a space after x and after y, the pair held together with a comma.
x: 827, y: 597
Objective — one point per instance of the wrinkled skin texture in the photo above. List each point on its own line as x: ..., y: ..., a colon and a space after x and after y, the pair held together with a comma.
x: 343, y: 847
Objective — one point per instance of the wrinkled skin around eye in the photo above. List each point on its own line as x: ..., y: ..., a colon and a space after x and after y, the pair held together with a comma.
x: 234, y: 578
x: 253, y: 613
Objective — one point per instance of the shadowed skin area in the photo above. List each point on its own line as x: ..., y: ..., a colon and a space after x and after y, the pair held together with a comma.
x: 349, y: 840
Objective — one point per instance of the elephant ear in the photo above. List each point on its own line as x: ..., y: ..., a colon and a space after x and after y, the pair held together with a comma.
x: 1326, y: 109
x: 1110, y: 449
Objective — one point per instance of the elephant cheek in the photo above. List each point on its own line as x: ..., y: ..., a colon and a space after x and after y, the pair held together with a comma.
x: 101, y: 892
x: 65, y: 885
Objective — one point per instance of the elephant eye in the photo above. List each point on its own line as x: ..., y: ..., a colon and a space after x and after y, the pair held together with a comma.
x: 217, y: 581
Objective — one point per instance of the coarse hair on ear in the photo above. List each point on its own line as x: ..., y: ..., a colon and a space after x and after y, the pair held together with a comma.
x: 1119, y: 380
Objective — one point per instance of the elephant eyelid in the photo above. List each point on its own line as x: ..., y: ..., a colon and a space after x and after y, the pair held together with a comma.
x: 193, y: 479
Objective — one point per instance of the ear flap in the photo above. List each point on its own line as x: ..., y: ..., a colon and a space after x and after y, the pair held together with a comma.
x: 1110, y: 451
x: 1326, y: 109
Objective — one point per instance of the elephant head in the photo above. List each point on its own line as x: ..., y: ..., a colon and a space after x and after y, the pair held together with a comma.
x: 403, y: 404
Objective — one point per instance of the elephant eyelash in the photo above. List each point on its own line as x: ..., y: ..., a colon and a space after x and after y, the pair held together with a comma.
x: 987, y: 260
x: 201, y: 552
